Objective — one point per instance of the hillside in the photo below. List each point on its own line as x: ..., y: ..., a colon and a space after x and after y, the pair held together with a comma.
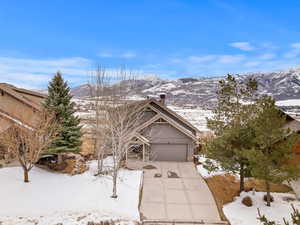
x: 282, y: 85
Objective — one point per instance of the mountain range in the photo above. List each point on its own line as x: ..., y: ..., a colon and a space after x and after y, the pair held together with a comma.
x: 282, y: 85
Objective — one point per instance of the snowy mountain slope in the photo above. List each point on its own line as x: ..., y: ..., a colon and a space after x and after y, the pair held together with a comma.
x: 282, y: 85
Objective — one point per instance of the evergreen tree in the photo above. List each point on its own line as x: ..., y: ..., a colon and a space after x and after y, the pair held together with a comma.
x: 269, y: 159
x: 230, y: 124
x: 59, y: 102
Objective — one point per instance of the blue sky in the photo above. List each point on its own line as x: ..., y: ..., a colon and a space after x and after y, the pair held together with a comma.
x: 167, y: 38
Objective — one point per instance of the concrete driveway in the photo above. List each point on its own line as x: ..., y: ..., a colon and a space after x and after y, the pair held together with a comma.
x: 186, y: 198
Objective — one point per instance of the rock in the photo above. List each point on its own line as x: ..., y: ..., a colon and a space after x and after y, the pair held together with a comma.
x: 172, y: 174
x: 70, y: 163
x: 149, y: 167
x: 247, y: 201
x: 157, y: 175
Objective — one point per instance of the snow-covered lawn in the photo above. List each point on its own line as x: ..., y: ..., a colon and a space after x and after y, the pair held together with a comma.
x: 52, y: 198
x: 239, y: 214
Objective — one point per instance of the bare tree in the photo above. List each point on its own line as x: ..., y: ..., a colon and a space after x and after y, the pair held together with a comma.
x: 27, y: 143
x: 116, y: 117
x: 98, y: 83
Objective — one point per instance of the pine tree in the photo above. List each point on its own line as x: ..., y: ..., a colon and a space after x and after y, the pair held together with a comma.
x: 230, y: 124
x: 269, y: 160
x: 59, y: 102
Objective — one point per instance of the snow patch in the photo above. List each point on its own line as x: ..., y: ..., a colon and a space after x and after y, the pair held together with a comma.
x: 52, y: 198
x: 239, y: 214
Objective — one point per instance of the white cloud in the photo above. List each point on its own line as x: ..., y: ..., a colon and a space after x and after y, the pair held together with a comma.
x: 200, y: 59
x: 128, y: 55
x: 124, y: 55
x: 267, y: 56
x: 104, y: 55
x: 35, y: 73
x: 230, y: 59
x: 176, y: 60
x: 268, y: 45
x: 252, y: 63
x: 295, y: 50
x: 244, y: 46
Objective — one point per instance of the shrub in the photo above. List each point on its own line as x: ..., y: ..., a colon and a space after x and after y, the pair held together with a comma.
x: 271, y: 198
x: 247, y: 201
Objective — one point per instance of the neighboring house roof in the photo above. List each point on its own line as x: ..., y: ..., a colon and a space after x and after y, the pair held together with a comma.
x: 24, y: 97
x: 12, y: 120
x: 292, y: 122
x: 20, y: 94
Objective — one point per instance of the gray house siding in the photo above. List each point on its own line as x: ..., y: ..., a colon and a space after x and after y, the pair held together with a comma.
x: 174, y: 118
x: 166, y: 140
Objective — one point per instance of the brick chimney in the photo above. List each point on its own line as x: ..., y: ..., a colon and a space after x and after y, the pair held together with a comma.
x: 162, y: 98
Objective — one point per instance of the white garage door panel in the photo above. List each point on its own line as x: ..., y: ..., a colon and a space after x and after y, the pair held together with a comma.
x: 169, y: 152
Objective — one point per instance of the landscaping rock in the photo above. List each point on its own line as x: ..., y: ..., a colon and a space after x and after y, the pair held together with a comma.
x: 247, y: 201
x: 149, y: 167
x: 70, y: 163
x: 157, y: 175
x: 172, y: 174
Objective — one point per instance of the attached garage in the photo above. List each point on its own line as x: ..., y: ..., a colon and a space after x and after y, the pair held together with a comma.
x: 169, y: 152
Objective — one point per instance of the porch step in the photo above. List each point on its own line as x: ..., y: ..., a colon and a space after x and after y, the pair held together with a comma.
x: 183, y: 222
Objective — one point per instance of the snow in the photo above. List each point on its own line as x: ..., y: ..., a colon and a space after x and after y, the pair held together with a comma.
x: 195, y: 115
x: 178, y: 92
x: 239, y: 214
x: 290, y: 102
x: 52, y: 198
x: 205, y: 173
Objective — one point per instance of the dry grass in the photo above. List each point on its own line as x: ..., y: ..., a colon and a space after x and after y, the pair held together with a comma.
x: 226, y: 187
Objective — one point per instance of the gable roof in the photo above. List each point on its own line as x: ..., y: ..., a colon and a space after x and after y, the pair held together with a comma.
x: 177, y: 116
x: 20, y: 94
x: 169, y: 116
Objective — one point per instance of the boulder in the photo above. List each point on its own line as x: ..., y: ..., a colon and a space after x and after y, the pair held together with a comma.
x: 70, y: 163
x: 247, y: 201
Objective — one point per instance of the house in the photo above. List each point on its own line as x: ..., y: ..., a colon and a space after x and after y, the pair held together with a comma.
x: 164, y: 135
x: 293, y: 123
x: 18, y: 106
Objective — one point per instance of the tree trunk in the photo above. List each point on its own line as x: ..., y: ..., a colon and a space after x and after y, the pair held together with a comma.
x: 242, y: 177
x: 59, y: 158
x: 268, y: 193
x: 115, y: 174
x: 100, y: 161
x: 26, y: 175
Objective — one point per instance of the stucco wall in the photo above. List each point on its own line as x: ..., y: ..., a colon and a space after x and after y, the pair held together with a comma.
x: 17, y: 109
x: 4, y: 124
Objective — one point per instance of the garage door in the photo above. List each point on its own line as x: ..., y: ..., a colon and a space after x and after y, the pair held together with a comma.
x: 169, y: 152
